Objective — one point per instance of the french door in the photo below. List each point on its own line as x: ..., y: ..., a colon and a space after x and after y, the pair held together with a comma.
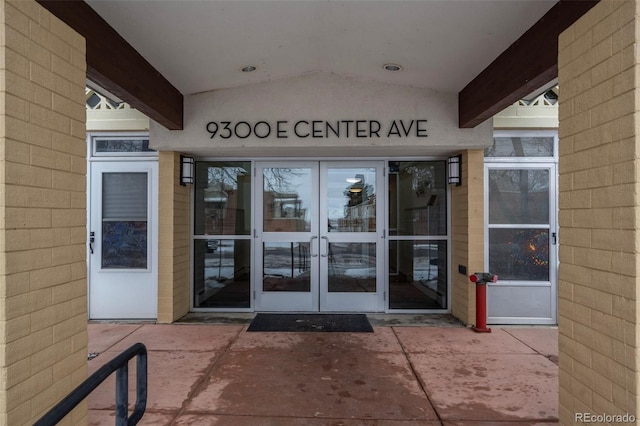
x: 319, y: 233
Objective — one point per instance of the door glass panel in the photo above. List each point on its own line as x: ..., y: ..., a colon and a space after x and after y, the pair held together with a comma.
x: 528, y: 146
x: 519, y: 196
x: 417, y: 198
x: 222, y: 198
x: 287, y: 199
x: 222, y: 270
x: 124, y: 220
x: 351, y: 199
x: 286, y: 267
x: 519, y: 254
x: 103, y: 146
x: 417, y: 274
x: 352, y: 267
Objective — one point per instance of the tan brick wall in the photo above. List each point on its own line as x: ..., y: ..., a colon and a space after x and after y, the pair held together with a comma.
x: 43, y: 304
x: 467, y: 234
x: 598, y: 282
x: 173, y: 240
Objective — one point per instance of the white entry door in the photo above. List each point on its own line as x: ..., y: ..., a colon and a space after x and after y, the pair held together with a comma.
x: 522, y: 243
x: 123, y: 223
x: 320, y: 236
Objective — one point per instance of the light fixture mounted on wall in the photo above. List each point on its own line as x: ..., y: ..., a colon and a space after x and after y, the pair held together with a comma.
x: 455, y: 170
x: 187, y: 168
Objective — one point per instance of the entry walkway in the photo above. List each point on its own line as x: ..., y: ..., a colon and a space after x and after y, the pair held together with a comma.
x: 205, y: 374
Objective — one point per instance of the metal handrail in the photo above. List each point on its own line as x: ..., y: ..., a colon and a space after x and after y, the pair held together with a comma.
x: 120, y: 365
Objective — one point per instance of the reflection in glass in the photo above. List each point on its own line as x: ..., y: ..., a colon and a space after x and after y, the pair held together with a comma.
x: 351, y: 199
x: 223, y: 198
x: 352, y: 267
x: 287, y: 199
x: 124, y: 244
x: 527, y: 146
x: 222, y: 273
x: 519, y: 254
x: 122, y: 145
x: 417, y: 274
x: 417, y: 198
x: 518, y: 196
x: 286, y: 267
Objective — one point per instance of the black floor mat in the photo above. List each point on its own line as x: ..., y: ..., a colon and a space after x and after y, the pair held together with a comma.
x: 351, y: 323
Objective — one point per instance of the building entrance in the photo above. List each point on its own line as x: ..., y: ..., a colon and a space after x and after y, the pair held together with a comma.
x: 319, y: 236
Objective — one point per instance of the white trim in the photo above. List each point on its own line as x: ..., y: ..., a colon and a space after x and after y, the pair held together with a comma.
x: 119, y: 156
x: 541, y: 163
x: 526, y: 133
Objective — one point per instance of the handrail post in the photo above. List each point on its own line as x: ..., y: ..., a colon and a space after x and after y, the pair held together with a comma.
x: 122, y: 395
x: 141, y: 389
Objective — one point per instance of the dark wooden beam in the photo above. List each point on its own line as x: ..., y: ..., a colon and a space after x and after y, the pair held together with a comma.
x: 115, y: 65
x: 528, y: 64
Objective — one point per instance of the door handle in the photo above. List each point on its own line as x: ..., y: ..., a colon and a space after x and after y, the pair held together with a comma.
x: 92, y: 239
x: 311, y: 246
x: 327, y: 251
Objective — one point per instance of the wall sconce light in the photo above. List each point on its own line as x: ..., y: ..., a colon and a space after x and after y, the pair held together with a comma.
x: 455, y: 170
x: 187, y: 167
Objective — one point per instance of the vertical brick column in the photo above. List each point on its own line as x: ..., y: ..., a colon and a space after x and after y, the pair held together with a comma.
x: 599, y: 325
x: 43, y: 303
x: 174, y: 240
x: 467, y: 234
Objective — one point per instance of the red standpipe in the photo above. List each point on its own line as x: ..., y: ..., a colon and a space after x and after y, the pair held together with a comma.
x: 481, y: 279
x: 481, y: 309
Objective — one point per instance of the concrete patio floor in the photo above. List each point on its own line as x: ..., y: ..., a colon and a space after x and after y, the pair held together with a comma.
x: 211, y: 374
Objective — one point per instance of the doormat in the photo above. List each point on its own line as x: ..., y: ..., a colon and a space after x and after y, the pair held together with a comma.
x: 350, y: 323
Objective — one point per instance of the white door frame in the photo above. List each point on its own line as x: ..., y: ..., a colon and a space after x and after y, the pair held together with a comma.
x: 520, y: 285
x: 121, y: 293
x: 285, y: 300
x: 319, y: 298
x: 346, y: 301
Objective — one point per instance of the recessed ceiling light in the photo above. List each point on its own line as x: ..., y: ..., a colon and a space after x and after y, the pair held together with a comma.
x: 392, y: 67
x: 249, y: 68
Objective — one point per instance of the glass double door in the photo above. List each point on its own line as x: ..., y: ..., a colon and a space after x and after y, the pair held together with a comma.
x: 319, y: 236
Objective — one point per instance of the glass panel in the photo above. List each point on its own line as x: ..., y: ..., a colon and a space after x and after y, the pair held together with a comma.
x: 124, y: 196
x: 351, y: 200
x: 124, y: 244
x: 518, y: 196
x: 528, y: 146
x: 223, y: 198
x: 519, y: 254
x: 352, y: 267
x: 287, y: 199
x: 222, y: 273
x: 122, y: 145
x: 417, y: 198
x: 286, y: 267
x: 124, y: 220
x: 417, y: 274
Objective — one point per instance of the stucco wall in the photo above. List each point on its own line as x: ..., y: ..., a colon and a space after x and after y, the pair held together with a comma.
x: 43, y: 304
x: 322, y: 97
x: 599, y: 213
